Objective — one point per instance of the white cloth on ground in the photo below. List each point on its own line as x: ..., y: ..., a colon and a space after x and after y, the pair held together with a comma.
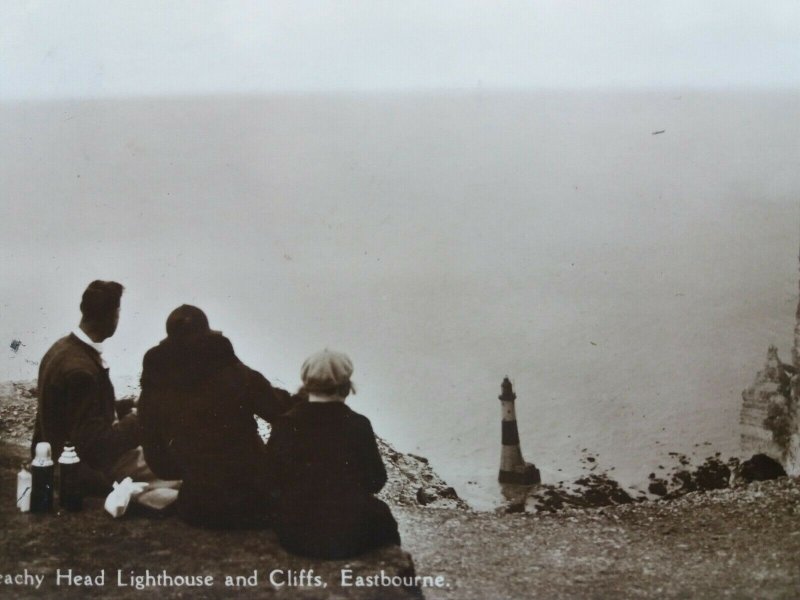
x: 158, y: 493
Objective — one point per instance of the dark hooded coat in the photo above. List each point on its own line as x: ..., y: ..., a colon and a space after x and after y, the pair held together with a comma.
x: 196, y: 409
x: 325, y: 467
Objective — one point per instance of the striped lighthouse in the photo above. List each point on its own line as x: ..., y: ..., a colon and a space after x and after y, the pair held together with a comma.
x: 513, y: 468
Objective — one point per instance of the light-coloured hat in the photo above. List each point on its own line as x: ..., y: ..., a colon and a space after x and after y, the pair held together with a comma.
x: 325, y: 371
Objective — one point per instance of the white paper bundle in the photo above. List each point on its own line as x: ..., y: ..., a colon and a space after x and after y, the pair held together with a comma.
x: 117, y: 501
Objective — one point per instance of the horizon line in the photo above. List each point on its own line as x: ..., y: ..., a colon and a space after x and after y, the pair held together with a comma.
x: 400, y: 92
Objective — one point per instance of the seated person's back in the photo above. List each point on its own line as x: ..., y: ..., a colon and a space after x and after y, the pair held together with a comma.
x: 196, y: 408
x: 325, y: 466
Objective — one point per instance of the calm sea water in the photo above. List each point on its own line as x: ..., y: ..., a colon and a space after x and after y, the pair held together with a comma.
x: 628, y: 283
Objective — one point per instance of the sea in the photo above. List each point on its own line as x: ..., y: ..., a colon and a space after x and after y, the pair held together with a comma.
x: 625, y: 257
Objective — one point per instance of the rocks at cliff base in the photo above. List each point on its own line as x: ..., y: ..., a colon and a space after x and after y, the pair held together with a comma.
x: 658, y: 488
x: 587, y: 492
x: 412, y: 482
x: 713, y: 474
x: 428, y: 495
x: 760, y: 468
x: 598, y: 490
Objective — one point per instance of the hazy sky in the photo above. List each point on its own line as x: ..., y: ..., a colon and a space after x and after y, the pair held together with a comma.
x: 101, y: 48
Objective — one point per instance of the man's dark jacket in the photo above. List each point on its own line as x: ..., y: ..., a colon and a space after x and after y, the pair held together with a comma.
x: 325, y: 466
x: 196, y: 408
x: 76, y: 404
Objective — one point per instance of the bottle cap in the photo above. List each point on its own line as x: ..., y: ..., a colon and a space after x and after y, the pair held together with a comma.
x: 69, y: 456
x: 43, y: 455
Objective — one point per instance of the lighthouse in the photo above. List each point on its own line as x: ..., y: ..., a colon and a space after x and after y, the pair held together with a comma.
x: 513, y: 468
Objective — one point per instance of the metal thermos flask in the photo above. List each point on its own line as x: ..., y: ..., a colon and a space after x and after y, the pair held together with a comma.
x: 70, y: 496
x: 42, y: 471
x: 24, y: 489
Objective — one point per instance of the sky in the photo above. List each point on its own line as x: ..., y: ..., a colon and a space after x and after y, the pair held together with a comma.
x: 91, y: 48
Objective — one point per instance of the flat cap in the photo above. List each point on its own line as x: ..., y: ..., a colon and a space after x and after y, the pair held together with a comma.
x: 324, y: 372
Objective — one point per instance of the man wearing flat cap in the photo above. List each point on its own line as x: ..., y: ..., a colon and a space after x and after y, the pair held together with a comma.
x: 325, y: 466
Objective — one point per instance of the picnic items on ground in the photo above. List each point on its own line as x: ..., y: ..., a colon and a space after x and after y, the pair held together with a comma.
x: 70, y: 494
x: 117, y: 501
x: 42, y: 477
x: 24, y: 489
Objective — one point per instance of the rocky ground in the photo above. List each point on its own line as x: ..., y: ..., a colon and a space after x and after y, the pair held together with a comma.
x: 691, y: 541
x: 17, y: 411
x: 732, y: 543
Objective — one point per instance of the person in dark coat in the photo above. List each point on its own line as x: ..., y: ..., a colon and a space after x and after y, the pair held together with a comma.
x: 324, y: 466
x: 76, y: 401
x: 196, y: 407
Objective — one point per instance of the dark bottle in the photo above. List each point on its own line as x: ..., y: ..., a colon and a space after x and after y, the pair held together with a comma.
x: 42, y: 471
x: 70, y: 496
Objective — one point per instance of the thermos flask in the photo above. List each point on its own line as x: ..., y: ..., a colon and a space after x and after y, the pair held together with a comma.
x: 24, y: 489
x: 70, y: 496
x: 42, y: 479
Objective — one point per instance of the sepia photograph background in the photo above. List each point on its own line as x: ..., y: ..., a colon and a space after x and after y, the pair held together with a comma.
x: 597, y: 200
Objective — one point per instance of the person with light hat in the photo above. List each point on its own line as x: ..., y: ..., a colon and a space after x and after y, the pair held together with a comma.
x: 324, y: 468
